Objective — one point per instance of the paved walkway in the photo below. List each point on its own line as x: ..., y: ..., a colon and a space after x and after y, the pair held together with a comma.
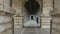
x: 31, y: 23
x: 32, y: 31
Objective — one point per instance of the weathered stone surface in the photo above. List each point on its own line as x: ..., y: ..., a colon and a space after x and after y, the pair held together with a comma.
x: 56, y: 25
x: 6, y: 17
x: 47, y: 7
x: 2, y: 28
x: 18, y: 5
x: 32, y: 31
x: 18, y: 22
x: 5, y: 24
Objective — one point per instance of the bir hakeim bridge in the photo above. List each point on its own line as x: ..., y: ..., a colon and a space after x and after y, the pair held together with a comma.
x: 29, y: 16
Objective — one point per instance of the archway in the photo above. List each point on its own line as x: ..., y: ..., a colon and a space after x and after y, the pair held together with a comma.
x: 31, y: 14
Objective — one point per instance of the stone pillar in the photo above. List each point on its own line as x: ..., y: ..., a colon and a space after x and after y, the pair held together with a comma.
x: 19, y: 16
x: 6, y: 23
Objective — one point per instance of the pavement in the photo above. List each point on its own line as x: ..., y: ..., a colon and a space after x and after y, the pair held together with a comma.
x: 31, y: 23
x: 31, y: 31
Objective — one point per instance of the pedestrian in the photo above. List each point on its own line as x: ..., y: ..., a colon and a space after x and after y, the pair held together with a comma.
x: 37, y: 20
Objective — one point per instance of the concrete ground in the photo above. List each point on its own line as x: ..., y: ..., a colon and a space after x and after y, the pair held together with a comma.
x: 32, y: 23
x: 32, y: 31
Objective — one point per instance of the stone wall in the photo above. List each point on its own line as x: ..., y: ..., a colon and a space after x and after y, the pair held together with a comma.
x: 5, y: 23
x: 6, y: 19
x: 56, y: 4
x: 18, y: 6
x: 18, y: 22
x: 55, y: 16
x: 47, y: 7
x: 18, y: 18
x: 45, y: 21
x: 45, y: 17
x: 7, y: 2
x: 55, y: 25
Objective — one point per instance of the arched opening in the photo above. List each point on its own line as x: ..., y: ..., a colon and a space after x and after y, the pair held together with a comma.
x: 31, y: 13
